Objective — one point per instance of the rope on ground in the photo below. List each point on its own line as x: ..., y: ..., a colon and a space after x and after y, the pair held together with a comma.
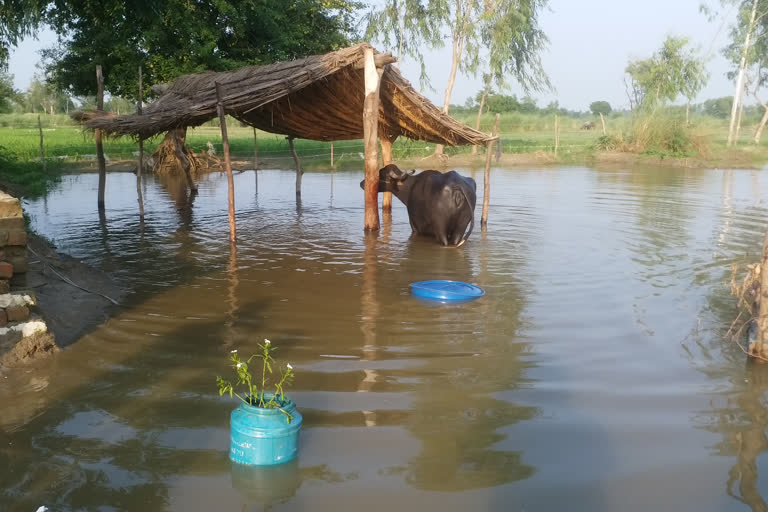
x: 69, y: 281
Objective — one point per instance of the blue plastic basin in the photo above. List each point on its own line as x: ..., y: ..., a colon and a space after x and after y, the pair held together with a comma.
x: 446, y: 290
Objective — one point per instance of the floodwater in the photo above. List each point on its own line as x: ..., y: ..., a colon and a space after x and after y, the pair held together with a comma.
x: 592, y: 376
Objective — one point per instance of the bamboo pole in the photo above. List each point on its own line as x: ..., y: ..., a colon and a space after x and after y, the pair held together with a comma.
x: 386, y: 158
x: 602, y: 120
x: 255, y: 151
x: 299, y: 171
x: 141, y: 153
x: 370, y: 131
x: 97, y: 136
x: 227, y: 164
x: 42, y: 148
x: 557, y: 134
x: 487, y: 173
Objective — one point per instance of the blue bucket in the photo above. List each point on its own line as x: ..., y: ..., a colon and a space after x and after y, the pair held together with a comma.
x: 263, y: 437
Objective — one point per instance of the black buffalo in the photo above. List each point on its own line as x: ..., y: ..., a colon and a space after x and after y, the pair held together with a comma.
x: 439, y: 204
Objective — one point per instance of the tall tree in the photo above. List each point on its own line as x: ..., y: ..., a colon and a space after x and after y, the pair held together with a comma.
x: 411, y: 26
x: 600, y: 107
x: 8, y: 95
x: 175, y: 37
x: 671, y: 71
x: 18, y: 18
x: 511, y: 33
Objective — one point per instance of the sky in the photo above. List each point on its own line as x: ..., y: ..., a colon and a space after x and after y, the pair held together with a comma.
x: 591, y: 42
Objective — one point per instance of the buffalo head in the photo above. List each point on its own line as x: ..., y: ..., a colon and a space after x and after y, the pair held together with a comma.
x: 390, y: 178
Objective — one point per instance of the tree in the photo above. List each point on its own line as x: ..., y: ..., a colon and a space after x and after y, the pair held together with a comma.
x: 176, y: 37
x: 8, y: 94
x: 514, y: 40
x: 600, y: 107
x: 499, y: 103
x: 410, y: 25
x: 718, y: 107
x: 671, y: 71
x: 18, y: 18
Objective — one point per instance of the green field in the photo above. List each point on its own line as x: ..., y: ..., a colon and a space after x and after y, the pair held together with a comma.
x: 66, y: 145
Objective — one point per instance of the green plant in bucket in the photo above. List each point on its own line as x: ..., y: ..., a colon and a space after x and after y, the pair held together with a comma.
x: 256, y: 395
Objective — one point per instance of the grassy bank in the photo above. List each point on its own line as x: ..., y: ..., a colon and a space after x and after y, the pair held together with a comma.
x: 525, y: 140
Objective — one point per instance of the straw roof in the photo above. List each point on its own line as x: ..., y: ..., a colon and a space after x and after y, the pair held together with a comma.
x: 319, y: 97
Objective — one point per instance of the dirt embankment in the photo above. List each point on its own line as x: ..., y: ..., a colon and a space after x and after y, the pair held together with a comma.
x: 70, y: 299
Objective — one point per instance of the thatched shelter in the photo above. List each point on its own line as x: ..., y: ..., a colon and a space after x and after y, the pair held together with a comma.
x: 321, y: 97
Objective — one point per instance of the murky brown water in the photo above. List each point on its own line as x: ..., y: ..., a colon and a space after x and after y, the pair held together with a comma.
x: 591, y: 377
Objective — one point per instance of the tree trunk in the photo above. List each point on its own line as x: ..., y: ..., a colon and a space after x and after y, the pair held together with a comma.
x: 227, y: 164
x: 759, y: 131
x: 602, y: 120
x: 370, y: 136
x: 97, y: 136
x: 741, y: 115
x: 740, y: 76
x: 760, y: 347
x: 480, y: 110
x: 458, y: 46
x: 688, y: 114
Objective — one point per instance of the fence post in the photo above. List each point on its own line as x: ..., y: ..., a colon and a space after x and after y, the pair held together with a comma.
x: 557, y: 134
x: 487, y: 173
x: 602, y: 120
x: 141, y: 153
x: 227, y: 164
x: 42, y: 150
x: 97, y: 136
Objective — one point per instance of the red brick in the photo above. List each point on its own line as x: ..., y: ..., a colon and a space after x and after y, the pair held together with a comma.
x: 17, y: 238
x: 17, y: 313
x: 6, y: 270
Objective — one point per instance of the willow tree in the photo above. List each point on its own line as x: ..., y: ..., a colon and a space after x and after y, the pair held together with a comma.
x: 511, y: 33
x: 673, y: 70
x: 410, y: 25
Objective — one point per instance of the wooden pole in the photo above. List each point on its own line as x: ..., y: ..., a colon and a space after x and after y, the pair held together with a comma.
x: 227, y: 164
x: 557, y: 138
x: 487, y: 173
x: 97, y: 136
x: 42, y: 149
x: 602, y: 120
x: 296, y: 160
x: 139, y: 111
x: 370, y: 136
x: 331, y: 153
x: 255, y: 151
x: 759, y: 347
x: 386, y: 158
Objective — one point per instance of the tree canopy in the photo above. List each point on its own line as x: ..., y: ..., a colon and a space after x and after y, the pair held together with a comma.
x: 671, y: 71
x: 176, y: 37
x: 600, y: 107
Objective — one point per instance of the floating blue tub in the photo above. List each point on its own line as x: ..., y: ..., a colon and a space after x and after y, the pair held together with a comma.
x: 446, y: 290
x: 263, y: 437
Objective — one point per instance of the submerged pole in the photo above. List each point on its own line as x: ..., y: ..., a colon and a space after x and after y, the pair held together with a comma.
x: 255, y: 150
x: 487, y: 173
x: 331, y: 154
x: 141, y: 153
x: 370, y: 136
x: 227, y: 164
x: 296, y: 160
x: 97, y: 136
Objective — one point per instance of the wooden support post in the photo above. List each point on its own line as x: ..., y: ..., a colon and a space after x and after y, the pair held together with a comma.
x: 386, y: 158
x: 97, y: 136
x: 255, y: 151
x: 487, y: 173
x: 227, y: 164
x: 370, y: 135
x: 139, y: 111
x: 557, y: 134
x: 759, y: 347
x: 42, y: 148
x: 602, y: 120
x: 299, y: 171
x: 331, y: 154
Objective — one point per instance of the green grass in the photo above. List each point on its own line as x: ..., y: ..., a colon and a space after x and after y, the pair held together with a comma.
x: 66, y: 143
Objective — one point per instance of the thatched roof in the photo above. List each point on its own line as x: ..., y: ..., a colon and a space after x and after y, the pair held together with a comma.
x: 319, y: 98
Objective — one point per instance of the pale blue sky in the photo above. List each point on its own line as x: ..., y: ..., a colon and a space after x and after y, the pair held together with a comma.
x: 590, y: 44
